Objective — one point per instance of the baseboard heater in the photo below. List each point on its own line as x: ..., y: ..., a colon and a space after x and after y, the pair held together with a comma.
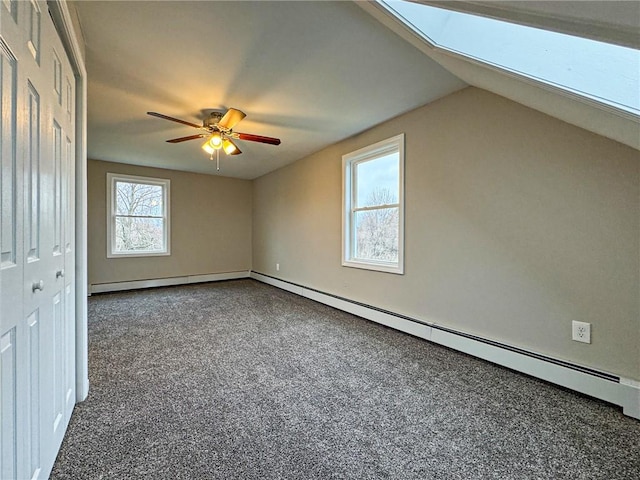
x: 602, y: 385
x: 165, y: 282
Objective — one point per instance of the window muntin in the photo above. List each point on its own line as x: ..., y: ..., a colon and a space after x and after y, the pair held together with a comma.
x: 138, y: 216
x: 373, y: 215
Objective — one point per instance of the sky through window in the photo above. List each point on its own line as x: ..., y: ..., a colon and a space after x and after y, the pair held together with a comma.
x: 601, y: 71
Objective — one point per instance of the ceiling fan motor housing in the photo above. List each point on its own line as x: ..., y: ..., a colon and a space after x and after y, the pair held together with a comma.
x: 213, y: 120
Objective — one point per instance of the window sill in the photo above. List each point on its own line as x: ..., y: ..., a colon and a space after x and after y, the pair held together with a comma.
x: 138, y: 254
x: 376, y: 266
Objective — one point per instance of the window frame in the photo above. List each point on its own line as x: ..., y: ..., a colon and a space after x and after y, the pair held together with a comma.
x: 349, y: 203
x: 165, y: 183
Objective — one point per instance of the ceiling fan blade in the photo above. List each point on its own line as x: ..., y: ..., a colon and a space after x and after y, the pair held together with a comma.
x: 231, y: 118
x: 166, y: 117
x: 258, y: 138
x: 190, y: 137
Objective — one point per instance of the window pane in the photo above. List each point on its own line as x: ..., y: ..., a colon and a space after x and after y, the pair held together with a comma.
x: 138, y: 199
x: 377, y: 181
x: 603, y: 71
x: 139, y: 234
x: 372, y: 230
x: 377, y: 235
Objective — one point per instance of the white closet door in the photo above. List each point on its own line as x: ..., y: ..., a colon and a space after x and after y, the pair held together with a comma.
x: 37, y: 334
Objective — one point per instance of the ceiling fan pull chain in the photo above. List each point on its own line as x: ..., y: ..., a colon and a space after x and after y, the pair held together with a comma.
x: 218, y: 160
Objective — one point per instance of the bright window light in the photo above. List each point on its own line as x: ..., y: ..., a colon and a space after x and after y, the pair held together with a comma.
x: 373, y: 219
x: 601, y: 71
x: 139, y: 216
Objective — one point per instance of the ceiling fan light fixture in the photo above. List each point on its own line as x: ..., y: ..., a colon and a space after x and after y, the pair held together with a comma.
x: 218, y: 130
x: 216, y: 140
x: 228, y: 146
x: 206, y: 146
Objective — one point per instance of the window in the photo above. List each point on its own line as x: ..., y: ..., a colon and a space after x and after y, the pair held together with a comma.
x: 138, y: 223
x: 603, y: 72
x: 373, y: 207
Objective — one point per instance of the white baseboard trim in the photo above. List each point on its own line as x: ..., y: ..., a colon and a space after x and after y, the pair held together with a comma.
x: 166, y: 282
x: 632, y: 390
x: 601, y: 385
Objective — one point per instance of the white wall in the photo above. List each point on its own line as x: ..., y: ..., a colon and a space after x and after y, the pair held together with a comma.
x: 516, y: 224
x: 210, y: 226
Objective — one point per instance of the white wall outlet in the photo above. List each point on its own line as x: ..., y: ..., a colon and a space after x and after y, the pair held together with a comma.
x: 277, y: 267
x: 581, y: 332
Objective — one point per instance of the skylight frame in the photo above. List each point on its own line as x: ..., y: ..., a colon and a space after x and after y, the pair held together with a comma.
x: 430, y: 39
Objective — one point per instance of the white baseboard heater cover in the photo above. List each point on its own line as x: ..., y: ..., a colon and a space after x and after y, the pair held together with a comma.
x: 166, y: 282
x: 605, y: 386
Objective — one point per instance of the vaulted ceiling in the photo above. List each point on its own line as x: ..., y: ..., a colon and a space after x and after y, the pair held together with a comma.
x: 309, y: 73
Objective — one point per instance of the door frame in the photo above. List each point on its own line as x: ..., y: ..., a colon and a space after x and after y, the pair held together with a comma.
x: 64, y: 25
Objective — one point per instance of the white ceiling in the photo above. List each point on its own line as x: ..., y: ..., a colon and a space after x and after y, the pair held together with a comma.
x: 309, y: 73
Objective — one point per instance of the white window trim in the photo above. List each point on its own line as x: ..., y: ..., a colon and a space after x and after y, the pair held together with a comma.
x: 111, y: 216
x: 348, y: 201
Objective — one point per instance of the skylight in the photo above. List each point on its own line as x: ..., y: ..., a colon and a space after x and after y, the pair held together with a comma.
x: 601, y: 71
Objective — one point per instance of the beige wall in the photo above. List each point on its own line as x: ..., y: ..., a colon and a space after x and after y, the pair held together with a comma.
x: 516, y: 224
x: 210, y: 226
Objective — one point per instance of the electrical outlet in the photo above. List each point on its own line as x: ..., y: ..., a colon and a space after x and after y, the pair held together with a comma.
x: 277, y: 267
x: 581, y: 332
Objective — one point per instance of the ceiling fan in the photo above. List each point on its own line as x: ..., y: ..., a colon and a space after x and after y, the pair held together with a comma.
x: 218, y: 129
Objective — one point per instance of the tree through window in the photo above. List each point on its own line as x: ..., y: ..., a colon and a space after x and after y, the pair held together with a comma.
x: 139, y: 220
x: 377, y: 227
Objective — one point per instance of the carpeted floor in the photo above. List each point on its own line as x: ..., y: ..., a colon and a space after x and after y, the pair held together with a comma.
x: 240, y: 380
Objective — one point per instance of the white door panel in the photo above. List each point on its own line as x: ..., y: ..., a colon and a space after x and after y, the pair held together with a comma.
x: 8, y: 405
x: 11, y: 268
x: 33, y: 402
x: 37, y: 293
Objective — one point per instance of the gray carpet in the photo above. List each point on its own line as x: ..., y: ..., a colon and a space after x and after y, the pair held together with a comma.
x: 239, y: 380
